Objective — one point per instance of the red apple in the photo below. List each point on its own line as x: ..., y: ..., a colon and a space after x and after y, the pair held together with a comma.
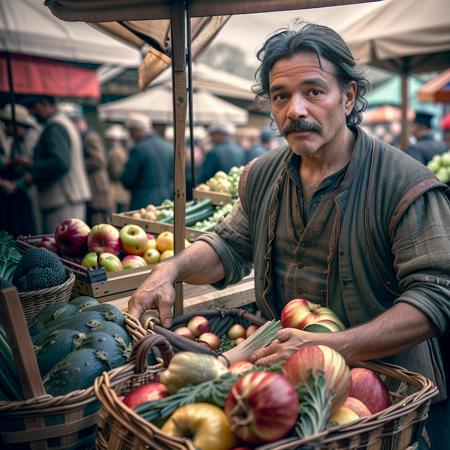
x: 47, y: 242
x: 357, y: 406
x: 239, y: 340
x: 133, y: 262
x: 151, y: 256
x: 211, y: 339
x: 240, y: 367
x: 314, y: 358
x: 185, y: 332
x: 71, y: 237
x: 236, y: 331
x: 110, y: 262
x: 146, y: 393
x: 199, y: 325
x: 134, y: 239
x: 104, y: 238
x: 90, y: 260
x: 368, y: 387
x: 250, y: 330
x: 301, y: 314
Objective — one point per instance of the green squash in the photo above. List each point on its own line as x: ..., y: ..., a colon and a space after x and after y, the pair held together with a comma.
x: 77, y: 370
x: 84, y: 301
x: 47, y: 314
x: 109, y: 312
x: 118, y: 352
x: 56, y: 346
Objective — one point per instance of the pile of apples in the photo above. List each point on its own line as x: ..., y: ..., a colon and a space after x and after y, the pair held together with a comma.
x: 199, y: 329
x: 106, y: 246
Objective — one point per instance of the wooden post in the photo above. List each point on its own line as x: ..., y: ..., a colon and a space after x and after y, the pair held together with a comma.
x: 178, y: 29
x: 405, y: 126
x: 20, y: 342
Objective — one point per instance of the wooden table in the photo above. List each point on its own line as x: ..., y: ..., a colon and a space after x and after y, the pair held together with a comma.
x: 206, y: 297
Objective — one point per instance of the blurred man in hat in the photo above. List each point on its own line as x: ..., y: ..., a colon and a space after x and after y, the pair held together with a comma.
x: 117, y: 156
x: 426, y: 146
x: 225, y: 152
x: 15, y: 196
x: 148, y: 173
x: 57, y: 168
x: 101, y: 205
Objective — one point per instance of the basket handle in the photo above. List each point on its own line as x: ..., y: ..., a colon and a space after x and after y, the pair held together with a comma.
x: 139, y: 355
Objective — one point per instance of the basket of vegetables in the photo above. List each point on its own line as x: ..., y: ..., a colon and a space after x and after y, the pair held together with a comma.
x: 194, y: 402
x: 231, y: 332
x: 73, y: 343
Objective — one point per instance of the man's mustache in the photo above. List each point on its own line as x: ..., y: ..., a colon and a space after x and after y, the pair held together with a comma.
x: 301, y: 125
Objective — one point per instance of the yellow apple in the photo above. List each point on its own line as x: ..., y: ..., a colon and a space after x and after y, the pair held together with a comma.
x: 151, y: 256
x: 165, y: 255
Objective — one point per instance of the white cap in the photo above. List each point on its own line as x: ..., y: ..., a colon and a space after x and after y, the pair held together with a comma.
x: 139, y: 122
x: 116, y: 132
x: 225, y: 128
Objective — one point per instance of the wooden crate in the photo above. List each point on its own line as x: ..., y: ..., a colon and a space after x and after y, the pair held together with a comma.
x: 121, y: 219
x: 104, y: 286
x: 217, y: 198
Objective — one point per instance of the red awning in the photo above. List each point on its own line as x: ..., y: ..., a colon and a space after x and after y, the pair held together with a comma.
x: 34, y: 75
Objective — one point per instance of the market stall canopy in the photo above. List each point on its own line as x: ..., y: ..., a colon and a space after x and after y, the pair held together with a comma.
x: 157, y: 104
x: 403, y: 36
x: 436, y: 90
x: 28, y: 28
x: 216, y: 81
x: 385, y: 114
x: 43, y: 76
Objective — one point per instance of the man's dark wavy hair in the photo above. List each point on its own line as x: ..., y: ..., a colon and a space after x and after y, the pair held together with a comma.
x: 303, y: 36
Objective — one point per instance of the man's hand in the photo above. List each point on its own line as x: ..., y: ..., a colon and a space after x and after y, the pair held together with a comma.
x: 289, y: 340
x: 156, y: 292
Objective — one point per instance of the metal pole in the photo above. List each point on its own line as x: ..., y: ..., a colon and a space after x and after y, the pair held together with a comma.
x: 15, y: 147
x: 191, y: 100
x: 178, y: 30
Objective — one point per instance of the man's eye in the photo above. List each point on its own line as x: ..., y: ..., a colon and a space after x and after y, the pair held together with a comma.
x: 279, y: 97
x: 315, y: 92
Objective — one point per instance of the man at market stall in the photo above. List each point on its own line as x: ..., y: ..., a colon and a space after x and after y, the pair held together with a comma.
x: 426, y: 146
x: 336, y: 217
x: 148, y: 173
x: 57, y: 168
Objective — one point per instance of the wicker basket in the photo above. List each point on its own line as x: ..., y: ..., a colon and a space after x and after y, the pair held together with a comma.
x: 56, y: 423
x: 220, y: 319
x: 395, y: 428
x: 34, y: 301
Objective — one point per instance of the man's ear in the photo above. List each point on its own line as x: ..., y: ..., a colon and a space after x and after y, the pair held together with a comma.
x: 349, y: 97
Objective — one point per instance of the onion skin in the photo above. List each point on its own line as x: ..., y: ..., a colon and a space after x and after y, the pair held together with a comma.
x: 320, y: 358
x: 262, y: 407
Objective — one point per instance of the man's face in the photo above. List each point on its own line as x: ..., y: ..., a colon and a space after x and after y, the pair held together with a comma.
x: 21, y: 130
x: 308, y: 104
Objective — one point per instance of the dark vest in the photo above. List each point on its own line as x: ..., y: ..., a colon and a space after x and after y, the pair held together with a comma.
x: 381, y: 183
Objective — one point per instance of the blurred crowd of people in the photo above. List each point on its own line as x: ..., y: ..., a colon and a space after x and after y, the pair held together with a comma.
x: 53, y: 165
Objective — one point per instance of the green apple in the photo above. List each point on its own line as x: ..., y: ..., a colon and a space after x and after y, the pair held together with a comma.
x: 134, y: 239
x: 90, y: 260
x: 445, y: 159
x: 110, y: 262
x: 151, y: 256
x: 443, y: 174
x: 433, y: 166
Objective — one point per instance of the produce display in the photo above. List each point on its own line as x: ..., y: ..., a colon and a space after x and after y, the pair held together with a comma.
x: 440, y: 166
x: 76, y: 341
x: 200, y: 215
x: 9, y: 256
x: 226, y: 183
x: 198, y: 398
x: 106, y: 246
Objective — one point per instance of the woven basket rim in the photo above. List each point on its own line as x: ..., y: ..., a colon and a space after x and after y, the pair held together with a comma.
x: 54, y: 289
x: 106, y: 394
x: 48, y: 402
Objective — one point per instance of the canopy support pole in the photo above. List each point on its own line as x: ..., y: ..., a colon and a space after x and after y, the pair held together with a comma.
x: 178, y: 30
x: 15, y: 144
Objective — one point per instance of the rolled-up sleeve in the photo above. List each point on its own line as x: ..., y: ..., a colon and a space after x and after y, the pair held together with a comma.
x: 421, y: 248
x: 232, y: 243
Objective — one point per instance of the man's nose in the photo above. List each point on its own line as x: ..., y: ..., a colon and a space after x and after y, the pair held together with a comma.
x: 297, y: 107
